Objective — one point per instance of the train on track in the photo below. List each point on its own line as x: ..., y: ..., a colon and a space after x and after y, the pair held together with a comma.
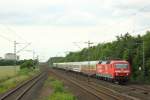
x: 112, y: 70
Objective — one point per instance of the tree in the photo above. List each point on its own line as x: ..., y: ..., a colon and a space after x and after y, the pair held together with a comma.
x: 29, y: 64
x: 124, y: 47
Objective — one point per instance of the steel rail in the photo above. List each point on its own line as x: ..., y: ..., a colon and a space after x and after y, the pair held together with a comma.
x: 11, y: 92
x: 95, y: 91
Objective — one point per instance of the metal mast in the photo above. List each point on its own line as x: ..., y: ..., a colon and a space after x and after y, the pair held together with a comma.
x: 89, y: 45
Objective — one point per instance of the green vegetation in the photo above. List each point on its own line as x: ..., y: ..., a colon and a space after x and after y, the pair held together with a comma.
x: 13, y: 81
x: 11, y: 76
x: 4, y: 62
x: 125, y: 47
x: 7, y: 72
x: 61, y: 96
x: 59, y: 92
x: 29, y: 64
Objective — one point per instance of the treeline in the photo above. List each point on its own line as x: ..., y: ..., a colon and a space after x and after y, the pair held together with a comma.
x: 125, y: 47
x: 13, y: 62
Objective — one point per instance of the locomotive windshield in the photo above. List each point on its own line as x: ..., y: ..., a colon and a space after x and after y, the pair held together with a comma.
x: 121, y: 65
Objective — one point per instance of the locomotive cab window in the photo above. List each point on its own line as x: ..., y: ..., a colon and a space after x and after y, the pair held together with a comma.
x: 104, y: 62
x: 121, y: 65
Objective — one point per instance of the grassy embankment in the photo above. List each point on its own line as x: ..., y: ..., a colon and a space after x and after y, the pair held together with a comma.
x: 11, y: 77
x: 58, y: 90
x: 7, y: 72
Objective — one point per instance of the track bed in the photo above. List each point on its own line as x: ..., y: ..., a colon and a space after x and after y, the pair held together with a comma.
x: 105, y: 90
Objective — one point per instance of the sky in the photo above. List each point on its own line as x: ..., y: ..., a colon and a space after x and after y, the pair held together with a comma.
x: 56, y: 27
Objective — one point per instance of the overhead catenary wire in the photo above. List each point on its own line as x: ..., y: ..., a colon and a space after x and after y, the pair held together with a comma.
x: 13, y: 32
x: 6, y: 38
x: 23, y: 48
x: 15, y: 42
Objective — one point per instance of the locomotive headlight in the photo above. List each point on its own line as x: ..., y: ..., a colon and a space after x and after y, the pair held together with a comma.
x: 127, y: 74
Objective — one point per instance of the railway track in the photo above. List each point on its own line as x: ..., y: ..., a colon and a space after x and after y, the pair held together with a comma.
x: 144, y: 90
x: 134, y: 92
x: 77, y: 84
x: 20, y: 91
x: 99, y: 92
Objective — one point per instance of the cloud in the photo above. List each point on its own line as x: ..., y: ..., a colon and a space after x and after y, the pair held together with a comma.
x: 77, y: 18
x: 127, y: 8
x: 64, y: 12
x: 52, y: 25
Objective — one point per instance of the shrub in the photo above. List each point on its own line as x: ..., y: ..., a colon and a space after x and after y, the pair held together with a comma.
x: 27, y: 64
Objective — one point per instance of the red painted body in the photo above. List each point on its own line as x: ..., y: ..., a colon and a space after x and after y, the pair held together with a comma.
x: 115, y: 70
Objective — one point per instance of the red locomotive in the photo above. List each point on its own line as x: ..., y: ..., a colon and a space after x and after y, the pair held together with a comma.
x: 114, y: 70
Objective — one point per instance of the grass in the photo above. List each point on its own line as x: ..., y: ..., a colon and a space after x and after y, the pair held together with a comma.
x: 61, y: 96
x: 7, y: 72
x: 59, y: 93
x: 12, y: 82
x: 6, y: 85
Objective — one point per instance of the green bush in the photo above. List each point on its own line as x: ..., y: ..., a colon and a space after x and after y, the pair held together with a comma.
x: 27, y: 64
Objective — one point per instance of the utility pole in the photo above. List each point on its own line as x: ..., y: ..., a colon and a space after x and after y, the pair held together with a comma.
x: 143, y: 52
x: 15, y: 52
x: 15, y: 43
x: 37, y: 57
x: 144, y: 60
x: 89, y: 45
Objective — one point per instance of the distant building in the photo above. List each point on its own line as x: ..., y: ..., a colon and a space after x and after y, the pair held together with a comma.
x: 11, y: 56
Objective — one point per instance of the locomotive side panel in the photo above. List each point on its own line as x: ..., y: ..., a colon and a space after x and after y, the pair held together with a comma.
x: 105, y: 70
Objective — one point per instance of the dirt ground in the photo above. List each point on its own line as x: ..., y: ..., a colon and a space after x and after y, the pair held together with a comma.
x: 75, y: 90
x: 45, y: 92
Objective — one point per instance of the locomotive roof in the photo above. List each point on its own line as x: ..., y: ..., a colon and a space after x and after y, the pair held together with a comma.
x: 78, y: 63
x: 91, y: 62
x: 112, y: 61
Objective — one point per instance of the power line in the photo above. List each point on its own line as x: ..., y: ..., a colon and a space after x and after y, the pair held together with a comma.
x: 14, y: 32
x: 142, y: 29
x: 6, y: 38
x: 75, y: 43
x: 15, y: 42
x: 23, y: 47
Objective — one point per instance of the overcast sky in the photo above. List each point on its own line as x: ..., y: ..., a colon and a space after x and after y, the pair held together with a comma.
x: 53, y: 25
